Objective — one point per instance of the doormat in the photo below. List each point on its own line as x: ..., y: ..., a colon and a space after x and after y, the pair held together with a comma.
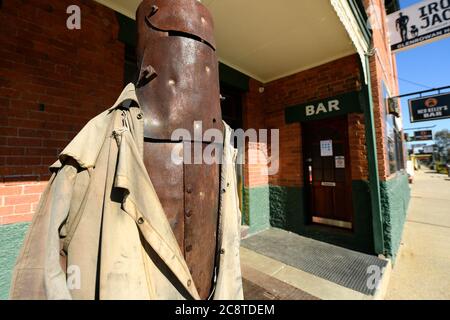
x: 344, y: 267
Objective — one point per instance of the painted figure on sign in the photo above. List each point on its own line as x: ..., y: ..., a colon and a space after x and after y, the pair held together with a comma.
x: 401, y: 24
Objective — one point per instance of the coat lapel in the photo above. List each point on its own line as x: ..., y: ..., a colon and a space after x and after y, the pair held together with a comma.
x: 142, y: 204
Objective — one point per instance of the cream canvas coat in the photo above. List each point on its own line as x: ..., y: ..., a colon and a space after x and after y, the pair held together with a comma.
x: 101, y: 212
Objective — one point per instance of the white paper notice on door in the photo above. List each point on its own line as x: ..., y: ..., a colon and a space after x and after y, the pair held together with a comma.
x: 339, y: 162
x: 326, y: 148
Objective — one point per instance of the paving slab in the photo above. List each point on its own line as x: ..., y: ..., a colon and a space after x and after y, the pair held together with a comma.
x: 422, y: 268
x: 335, y: 264
x: 312, y: 285
x: 260, y: 286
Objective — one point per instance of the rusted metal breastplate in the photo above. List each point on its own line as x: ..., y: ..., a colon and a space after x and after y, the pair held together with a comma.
x: 178, y: 85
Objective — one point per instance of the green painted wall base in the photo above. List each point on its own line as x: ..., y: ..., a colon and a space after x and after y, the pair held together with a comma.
x: 395, y: 196
x: 256, y: 208
x: 287, y: 212
x: 283, y: 207
x: 11, y: 238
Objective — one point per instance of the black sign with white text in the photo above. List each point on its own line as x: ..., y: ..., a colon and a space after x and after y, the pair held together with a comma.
x: 423, y: 135
x: 430, y: 108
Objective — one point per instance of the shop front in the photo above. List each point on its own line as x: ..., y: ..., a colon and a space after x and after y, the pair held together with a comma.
x: 310, y: 70
x: 321, y: 190
x: 333, y: 164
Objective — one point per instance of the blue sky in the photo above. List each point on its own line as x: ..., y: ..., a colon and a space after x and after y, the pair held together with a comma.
x: 428, y: 65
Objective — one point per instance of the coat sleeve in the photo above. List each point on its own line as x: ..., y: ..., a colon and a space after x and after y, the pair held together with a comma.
x: 28, y: 276
x: 229, y: 278
x: 37, y: 274
x: 54, y: 275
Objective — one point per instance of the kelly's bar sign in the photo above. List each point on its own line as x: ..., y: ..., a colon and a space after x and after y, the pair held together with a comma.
x: 430, y: 108
x: 429, y: 20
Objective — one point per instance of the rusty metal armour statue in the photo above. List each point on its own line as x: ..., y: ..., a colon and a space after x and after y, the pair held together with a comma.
x: 178, y: 84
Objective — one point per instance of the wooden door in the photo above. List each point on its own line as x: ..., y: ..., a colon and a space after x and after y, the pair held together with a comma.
x: 327, y: 171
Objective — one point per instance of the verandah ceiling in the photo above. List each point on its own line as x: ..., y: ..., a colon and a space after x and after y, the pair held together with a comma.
x: 269, y: 39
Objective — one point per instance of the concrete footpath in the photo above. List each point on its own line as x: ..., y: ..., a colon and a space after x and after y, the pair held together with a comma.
x: 279, y: 265
x: 422, y: 267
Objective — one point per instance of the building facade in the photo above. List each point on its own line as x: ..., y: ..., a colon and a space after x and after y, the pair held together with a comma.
x: 321, y: 74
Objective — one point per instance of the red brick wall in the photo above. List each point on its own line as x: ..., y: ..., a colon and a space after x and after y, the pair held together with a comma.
x: 253, y: 106
x: 358, y: 147
x: 331, y: 79
x: 334, y: 78
x: 52, y: 81
x: 255, y: 168
x: 383, y: 68
x: 18, y: 200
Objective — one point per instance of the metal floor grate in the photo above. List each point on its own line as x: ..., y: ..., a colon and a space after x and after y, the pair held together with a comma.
x: 339, y: 265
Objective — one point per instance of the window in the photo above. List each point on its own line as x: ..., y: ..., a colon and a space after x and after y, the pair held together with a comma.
x: 394, y: 141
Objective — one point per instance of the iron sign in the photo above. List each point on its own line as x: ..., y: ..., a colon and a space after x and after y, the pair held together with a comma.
x: 427, y: 21
x: 430, y: 108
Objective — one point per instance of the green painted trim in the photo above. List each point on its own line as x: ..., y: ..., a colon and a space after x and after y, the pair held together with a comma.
x: 233, y: 78
x: 395, y: 198
x: 351, y: 102
x: 374, y: 179
x: 359, y: 12
x: 288, y: 212
x: 127, y: 30
x: 11, y: 239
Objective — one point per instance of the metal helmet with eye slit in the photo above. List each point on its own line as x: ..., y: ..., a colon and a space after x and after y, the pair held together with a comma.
x: 178, y: 79
x: 178, y: 86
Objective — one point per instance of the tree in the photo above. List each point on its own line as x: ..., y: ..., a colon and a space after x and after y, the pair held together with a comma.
x: 442, y: 139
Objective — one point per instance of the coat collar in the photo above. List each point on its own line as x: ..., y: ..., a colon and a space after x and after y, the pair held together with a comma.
x: 95, y: 128
x: 129, y: 93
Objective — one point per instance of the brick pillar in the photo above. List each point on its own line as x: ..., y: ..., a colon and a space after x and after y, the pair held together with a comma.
x: 258, y: 187
x: 18, y: 200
